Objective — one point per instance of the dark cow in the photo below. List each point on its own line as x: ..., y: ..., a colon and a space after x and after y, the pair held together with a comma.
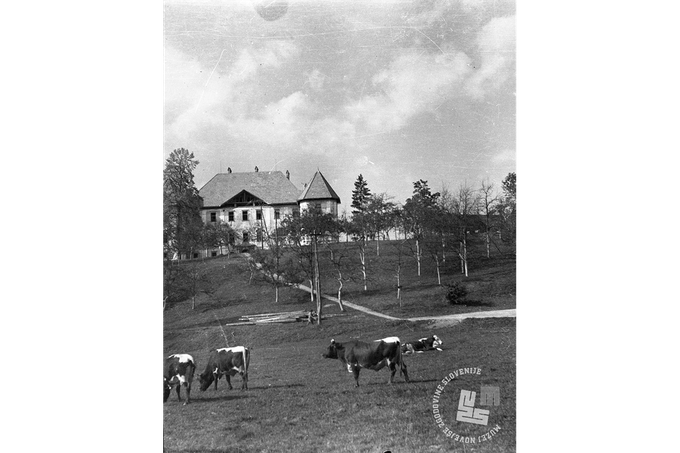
x: 373, y: 356
x: 226, y: 362
x: 179, y: 371
x: 422, y: 345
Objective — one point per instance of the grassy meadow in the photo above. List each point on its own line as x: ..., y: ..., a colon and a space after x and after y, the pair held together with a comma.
x: 299, y: 401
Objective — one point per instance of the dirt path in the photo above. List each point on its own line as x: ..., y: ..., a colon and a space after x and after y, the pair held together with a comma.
x: 444, y: 319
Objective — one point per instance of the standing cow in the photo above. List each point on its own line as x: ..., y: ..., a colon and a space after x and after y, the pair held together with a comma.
x: 179, y: 371
x: 357, y: 354
x: 226, y: 362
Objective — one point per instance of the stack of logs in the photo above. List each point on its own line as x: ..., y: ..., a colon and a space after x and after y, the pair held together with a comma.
x: 283, y: 317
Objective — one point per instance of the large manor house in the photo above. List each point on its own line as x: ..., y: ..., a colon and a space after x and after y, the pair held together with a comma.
x: 251, y: 202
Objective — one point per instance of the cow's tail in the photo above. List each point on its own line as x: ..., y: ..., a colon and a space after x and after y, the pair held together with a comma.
x: 246, y: 358
x: 400, y: 360
x: 191, y: 369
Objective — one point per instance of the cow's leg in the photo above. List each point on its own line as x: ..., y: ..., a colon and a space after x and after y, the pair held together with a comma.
x: 216, y: 375
x: 179, y: 398
x: 187, y: 390
x: 226, y: 375
x: 393, y: 371
x: 380, y: 365
x: 355, y: 370
x: 244, y: 376
x: 405, y: 371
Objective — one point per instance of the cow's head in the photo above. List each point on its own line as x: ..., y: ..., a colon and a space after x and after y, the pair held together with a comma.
x: 332, y: 351
x: 437, y: 341
x: 204, y: 380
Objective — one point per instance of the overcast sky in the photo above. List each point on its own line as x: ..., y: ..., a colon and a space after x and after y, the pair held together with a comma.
x: 395, y: 90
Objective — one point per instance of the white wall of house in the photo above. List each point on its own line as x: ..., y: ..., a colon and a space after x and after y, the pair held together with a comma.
x: 235, y: 217
x: 327, y: 206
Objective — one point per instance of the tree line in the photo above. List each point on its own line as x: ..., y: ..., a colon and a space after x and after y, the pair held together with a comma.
x: 429, y: 224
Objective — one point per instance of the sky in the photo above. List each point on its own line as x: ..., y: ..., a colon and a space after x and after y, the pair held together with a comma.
x: 397, y: 91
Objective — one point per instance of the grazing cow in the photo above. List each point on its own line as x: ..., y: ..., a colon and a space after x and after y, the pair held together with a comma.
x: 422, y: 345
x: 179, y: 371
x: 373, y: 356
x: 226, y: 362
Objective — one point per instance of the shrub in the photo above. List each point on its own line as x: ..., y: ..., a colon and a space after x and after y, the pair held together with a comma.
x: 456, y: 293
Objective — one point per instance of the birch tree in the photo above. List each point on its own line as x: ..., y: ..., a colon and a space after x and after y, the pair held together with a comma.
x: 416, y: 213
x: 466, y: 205
x: 360, y: 221
x: 487, y: 204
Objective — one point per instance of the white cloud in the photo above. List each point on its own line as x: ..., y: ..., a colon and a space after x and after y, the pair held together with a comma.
x: 278, y: 124
x: 316, y: 79
x: 504, y: 156
x: 414, y: 83
x: 200, y: 96
x: 496, y: 45
x: 292, y: 123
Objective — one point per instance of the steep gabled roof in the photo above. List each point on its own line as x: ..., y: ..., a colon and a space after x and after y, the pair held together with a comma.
x: 319, y: 189
x: 271, y: 187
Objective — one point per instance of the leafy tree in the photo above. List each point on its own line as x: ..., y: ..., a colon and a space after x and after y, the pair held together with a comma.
x: 218, y: 235
x: 379, y: 216
x: 507, y: 208
x: 510, y: 186
x: 182, y: 223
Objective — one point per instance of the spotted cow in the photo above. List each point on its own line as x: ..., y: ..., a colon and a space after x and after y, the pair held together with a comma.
x: 179, y: 371
x: 422, y: 345
x: 226, y: 362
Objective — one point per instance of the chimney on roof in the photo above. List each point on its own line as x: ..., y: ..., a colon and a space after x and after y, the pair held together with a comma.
x: 228, y: 169
x: 287, y: 175
x: 305, y: 186
x: 256, y: 169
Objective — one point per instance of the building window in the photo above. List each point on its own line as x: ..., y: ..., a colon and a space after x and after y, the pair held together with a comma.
x: 246, y: 236
x: 244, y: 215
x: 214, y: 253
x: 258, y: 214
x: 231, y: 216
x: 213, y: 217
x: 277, y: 214
x: 195, y: 255
x: 296, y: 212
x: 259, y: 235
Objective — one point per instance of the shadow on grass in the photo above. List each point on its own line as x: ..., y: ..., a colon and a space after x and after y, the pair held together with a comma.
x: 285, y: 386
x: 474, y: 303
x: 202, y: 399
x: 398, y: 381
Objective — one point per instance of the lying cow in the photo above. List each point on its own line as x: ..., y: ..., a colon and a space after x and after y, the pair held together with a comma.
x: 422, y: 345
x: 179, y: 371
x: 226, y: 362
x: 373, y: 356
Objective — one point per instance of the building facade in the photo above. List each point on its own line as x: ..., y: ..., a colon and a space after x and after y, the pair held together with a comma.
x: 251, y: 203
